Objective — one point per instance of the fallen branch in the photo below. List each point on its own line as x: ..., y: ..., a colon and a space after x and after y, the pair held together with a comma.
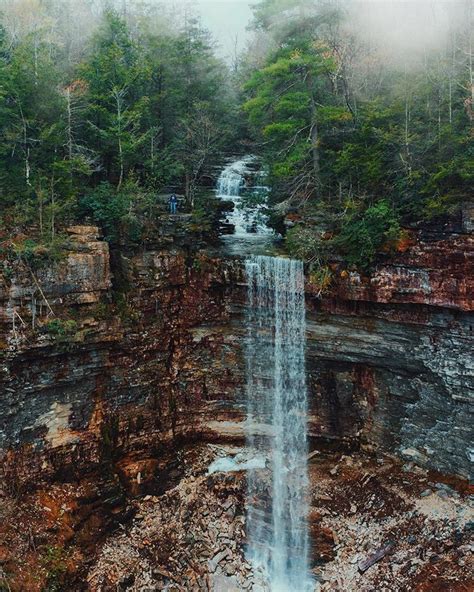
x: 376, y: 557
x: 41, y: 291
x: 15, y: 312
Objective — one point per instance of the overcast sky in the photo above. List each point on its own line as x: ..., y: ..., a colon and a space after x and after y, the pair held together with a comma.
x: 407, y: 22
x: 226, y: 19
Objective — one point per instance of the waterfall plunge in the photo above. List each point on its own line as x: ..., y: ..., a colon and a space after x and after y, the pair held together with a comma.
x: 276, y: 428
x: 277, y: 507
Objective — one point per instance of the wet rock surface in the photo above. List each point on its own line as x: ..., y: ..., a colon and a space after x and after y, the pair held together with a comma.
x: 389, y: 355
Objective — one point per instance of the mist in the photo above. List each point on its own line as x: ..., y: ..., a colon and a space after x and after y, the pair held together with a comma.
x: 396, y: 28
x: 401, y: 28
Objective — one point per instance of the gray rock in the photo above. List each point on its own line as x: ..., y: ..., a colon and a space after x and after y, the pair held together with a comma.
x: 214, y: 562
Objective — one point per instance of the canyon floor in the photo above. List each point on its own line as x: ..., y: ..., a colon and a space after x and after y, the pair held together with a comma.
x: 191, y: 538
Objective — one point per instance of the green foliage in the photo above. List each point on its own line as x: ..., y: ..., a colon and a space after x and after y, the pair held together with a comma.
x: 364, y: 234
x: 201, y: 220
x: 289, y: 104
x: 340, y: 126
x: 321, y: 277
x: 113, y: 210
x: 89, y: 136
x: 54, y: 560
x: 61, y: 329
x: 37, y: 254
x: 126, y: 312
x: 303, y: 243
x: 92, y: 129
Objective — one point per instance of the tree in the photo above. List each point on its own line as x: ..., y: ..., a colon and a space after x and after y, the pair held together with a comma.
x: 291, y: 104
x: 199, y: 142
x: 33, y: 135
x: 353, y: 137
x: 201, y: 99
x: 116, y: 79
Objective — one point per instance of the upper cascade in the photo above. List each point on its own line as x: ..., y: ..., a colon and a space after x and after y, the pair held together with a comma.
x: 240, y: 182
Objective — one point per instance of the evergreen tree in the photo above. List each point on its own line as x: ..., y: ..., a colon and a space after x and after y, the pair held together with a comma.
x: 116, y: 79
x: 364, y: 149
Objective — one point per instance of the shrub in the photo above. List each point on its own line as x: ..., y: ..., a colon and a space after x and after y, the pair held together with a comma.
x: 364, y: 234
x: 201, y: 220
x: 321, y: 278
x: 39, y: 254
x: 304, y: 243
x: 61, y: 329
x: 114, y: 212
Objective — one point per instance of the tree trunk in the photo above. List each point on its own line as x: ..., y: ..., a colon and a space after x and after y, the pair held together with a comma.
x: 69, y: 123
x: 40, y: 204
x: 53, y: 208
x: 189, y: 190
x: 118, y: 99
x: 315, y: 150
x: 314, y: 134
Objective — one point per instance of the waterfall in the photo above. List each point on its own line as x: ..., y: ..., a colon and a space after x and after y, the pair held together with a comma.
x: 277, y: 506
x: 235, y: 182
x: 276, y: 428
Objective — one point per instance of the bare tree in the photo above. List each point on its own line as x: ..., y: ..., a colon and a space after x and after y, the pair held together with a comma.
x: 200, y: 137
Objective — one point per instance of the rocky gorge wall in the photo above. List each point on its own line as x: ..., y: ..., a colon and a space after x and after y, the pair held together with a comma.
x: 110, y: 362
x: 117, y: 367
x: 390, y: 356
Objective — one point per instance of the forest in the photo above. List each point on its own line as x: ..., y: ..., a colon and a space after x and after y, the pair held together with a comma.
x: 104, y: 107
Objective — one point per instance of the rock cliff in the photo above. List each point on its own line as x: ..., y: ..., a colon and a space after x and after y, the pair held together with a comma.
x: 112, y: 367
x: 390, y: 355
x: 99, y: 368
x: 115, y: 364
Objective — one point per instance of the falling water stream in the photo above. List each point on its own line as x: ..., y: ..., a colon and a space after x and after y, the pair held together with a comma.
x: 276, y: 401
x: 277, y: 508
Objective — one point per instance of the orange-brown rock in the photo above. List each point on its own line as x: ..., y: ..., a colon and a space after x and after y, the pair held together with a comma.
x: 429, y: 272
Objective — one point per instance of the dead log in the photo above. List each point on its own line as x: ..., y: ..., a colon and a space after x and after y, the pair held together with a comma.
x: 376, y: 557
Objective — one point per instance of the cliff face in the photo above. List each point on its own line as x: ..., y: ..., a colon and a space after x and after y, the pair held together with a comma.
x: 101, y: 370
x: 390, y: 355
x: 116, y: 367
x: 107, y: 376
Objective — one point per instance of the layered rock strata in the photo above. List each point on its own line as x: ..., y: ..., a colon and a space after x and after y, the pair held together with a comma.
x: 111, y: 369
x: 390, y: 355
x: 100, y: 367
x: 114, y: 364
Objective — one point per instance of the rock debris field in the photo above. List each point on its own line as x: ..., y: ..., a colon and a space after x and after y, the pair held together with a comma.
x: 192, y: 538
x: 376, y: 525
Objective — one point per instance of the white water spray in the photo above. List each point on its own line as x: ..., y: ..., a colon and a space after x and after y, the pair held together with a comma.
x: 277, y: 505
x: 248, y: 220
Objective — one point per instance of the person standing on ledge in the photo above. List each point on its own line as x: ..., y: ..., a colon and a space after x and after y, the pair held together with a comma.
x: 173, y: 201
